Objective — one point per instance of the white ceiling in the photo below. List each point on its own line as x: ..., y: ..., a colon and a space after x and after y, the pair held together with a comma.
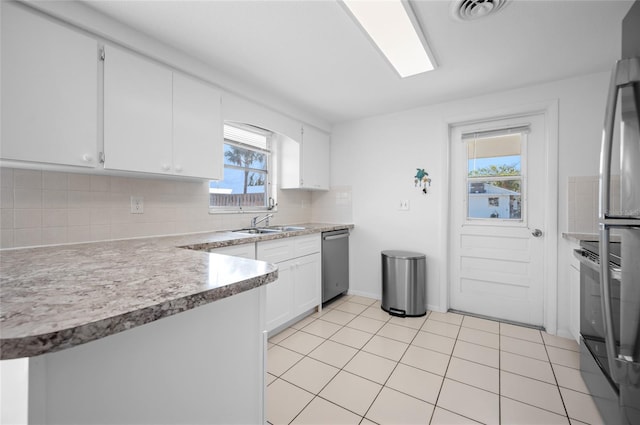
x: 312, y: 55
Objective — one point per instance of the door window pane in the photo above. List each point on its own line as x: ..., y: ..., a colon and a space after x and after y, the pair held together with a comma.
x: 494, y: 177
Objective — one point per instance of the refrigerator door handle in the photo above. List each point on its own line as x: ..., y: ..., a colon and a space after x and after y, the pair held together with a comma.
x: 625, y: 73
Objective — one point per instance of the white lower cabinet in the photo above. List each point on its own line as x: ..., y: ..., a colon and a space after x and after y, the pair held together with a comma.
x: 298, y: 288
x: 574, y: 293
x: 307, y: 289
x: 280, y: 297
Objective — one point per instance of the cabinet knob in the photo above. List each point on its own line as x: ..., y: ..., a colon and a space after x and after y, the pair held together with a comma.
x: 87, y: 158
x: 165, y: 167
x: 178, y: 168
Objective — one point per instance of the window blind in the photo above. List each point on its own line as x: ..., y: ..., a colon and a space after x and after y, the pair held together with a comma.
x: 481, y: 134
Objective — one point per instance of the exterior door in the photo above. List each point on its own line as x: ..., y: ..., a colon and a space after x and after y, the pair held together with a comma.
x: 497, y: 223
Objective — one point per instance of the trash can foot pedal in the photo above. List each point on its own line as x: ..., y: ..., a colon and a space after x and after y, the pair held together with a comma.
x: 397, y: 312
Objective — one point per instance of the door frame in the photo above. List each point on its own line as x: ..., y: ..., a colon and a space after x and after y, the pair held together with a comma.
x: 549, y: 109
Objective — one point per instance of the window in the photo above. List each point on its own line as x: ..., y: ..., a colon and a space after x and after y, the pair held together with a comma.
x: 247, y: 164
x: 494, y: 175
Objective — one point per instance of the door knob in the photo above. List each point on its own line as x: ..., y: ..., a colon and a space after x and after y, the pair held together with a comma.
x: 536, y: 233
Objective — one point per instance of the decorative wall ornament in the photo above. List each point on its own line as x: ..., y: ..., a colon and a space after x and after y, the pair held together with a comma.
x: 422, y: 179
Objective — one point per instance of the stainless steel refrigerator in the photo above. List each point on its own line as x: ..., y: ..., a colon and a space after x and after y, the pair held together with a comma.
x: 621, y: 310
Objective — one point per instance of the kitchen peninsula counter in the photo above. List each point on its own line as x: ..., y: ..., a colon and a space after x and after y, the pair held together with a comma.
x: 52, y: 298
x: 153, y: 330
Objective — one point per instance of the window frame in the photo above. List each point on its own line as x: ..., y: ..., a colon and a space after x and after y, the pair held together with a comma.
x: 270, y: 198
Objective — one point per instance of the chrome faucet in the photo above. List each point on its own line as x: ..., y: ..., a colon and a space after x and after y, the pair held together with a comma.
x: 255, y: 220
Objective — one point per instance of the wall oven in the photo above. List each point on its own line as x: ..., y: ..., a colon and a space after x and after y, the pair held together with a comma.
x: 594, y: 361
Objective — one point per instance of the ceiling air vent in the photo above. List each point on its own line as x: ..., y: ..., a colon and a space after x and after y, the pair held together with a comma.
x: 470, y: 10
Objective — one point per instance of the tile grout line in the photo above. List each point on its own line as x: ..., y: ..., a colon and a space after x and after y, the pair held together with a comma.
x: 394, y: 368
x: 564, y: 406
x: 409, y: 344
x: 445, y: 372
x: 330, y: 380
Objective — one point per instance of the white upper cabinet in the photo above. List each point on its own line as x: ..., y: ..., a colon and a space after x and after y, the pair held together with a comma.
x: 159, y: 121
x: 305, y: 164
x: 137, y: 113
x: 197, y: 129
x: 49, y: 91
x: 315, y: 159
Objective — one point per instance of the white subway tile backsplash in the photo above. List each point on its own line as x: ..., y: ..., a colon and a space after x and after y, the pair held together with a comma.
x: 6, y: 238
x: 6, y: 198
x: 80, y: 199
x: 100, y: 216
x: 100, y: 232
x: 79, y: 234
x: 27, y: 237
x: 27, y: 179
x: 54, y: 198
x: 27, y: 198
x: 6, y: 177
x: 27, y: 218
x: 99, y: 183
x: 120, y: 185
x: 55, y: 180
x: 79, y: 217
x: 79, y: 182
x: 54, y: 235
x: 6, y: 219
x: 59, y: 207
x: 54, y: 218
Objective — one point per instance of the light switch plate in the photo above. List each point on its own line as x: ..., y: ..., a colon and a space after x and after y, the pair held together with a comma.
x: 137, y: 205
x: 404, y: 205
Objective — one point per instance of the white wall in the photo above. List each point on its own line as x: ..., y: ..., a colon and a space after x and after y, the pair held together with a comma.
x: 377, y: 158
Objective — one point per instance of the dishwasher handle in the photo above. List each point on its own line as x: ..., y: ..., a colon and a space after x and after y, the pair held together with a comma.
x: 334, y: 237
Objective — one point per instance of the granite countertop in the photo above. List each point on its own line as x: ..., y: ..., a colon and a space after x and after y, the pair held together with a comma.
x: 52, y: 298
x: 578, y: 237
x: 588, y: 237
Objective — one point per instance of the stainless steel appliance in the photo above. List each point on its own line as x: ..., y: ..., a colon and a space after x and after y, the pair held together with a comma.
x: 335, y: 263
x: 617, y: 357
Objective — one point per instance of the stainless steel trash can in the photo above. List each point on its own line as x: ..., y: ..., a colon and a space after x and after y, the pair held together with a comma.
x: 404, y: 283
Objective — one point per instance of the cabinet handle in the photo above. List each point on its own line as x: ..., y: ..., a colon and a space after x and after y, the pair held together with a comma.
x: 87, y: 158
x: 165, y: 167
x: 178, y: 168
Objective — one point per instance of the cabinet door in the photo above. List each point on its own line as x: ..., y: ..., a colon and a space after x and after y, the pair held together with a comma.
x: 307, y: 291
x: 137, y: 113
x: 49, y: 91
x: 280, y: 297
x: 315, y: 159
x: 276, y: 250
x: 197, y: 129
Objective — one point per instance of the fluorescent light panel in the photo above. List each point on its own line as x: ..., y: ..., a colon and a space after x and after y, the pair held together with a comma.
x: 388, y: 24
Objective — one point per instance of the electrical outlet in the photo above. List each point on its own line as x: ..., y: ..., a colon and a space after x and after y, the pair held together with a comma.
x: 137, y: 205
x: 404, y: 205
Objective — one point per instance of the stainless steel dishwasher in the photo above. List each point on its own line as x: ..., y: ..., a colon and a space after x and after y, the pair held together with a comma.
x: 335, y: 263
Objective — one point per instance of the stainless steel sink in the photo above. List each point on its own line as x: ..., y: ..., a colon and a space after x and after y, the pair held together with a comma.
x: 257, y: 230
x: 287, y: 228
x: 270, y: 229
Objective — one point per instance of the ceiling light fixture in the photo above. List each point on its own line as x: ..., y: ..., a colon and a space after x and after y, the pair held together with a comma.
x: 395, y: 30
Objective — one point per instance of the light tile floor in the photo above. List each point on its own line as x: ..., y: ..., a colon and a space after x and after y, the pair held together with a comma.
x: 353, y: 363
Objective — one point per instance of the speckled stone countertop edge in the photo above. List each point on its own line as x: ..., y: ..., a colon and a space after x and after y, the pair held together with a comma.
x: 34, y: 345
x: 587, y: 237
x: 43, y: 332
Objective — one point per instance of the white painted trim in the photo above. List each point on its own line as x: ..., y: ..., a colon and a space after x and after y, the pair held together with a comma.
x: 550, y: 111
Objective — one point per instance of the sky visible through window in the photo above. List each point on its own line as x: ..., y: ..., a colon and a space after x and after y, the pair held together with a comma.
x: 234, y: 178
